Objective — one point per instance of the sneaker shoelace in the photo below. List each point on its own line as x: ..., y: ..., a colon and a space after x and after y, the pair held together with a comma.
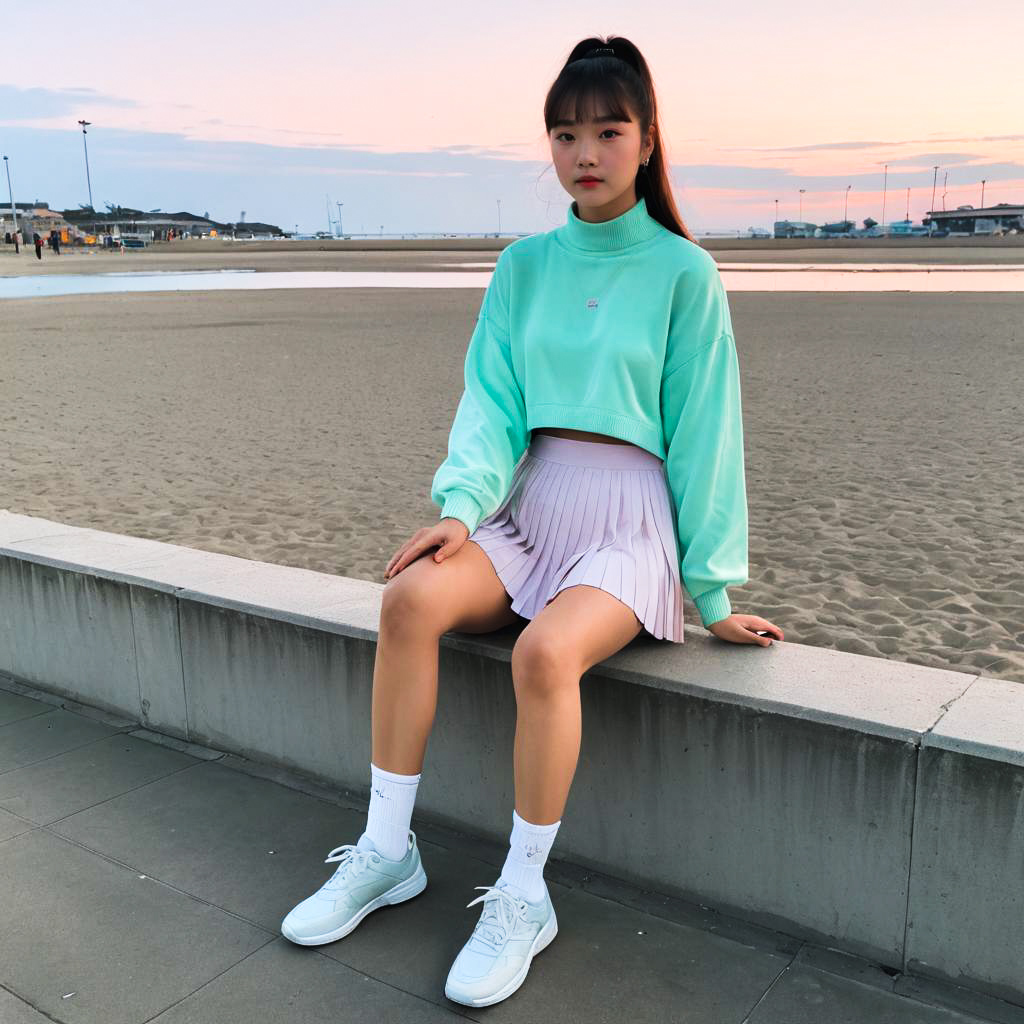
x: 352, y: 862
x: 501, y: 910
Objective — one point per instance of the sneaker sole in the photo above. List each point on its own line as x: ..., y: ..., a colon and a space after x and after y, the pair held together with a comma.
x: 406, y: 890
x: 543, y: 939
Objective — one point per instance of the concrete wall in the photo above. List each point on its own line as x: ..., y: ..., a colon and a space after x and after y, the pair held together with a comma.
x: 869, y: 805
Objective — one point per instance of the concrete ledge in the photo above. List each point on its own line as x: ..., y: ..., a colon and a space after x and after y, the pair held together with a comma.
x: 872, y: 806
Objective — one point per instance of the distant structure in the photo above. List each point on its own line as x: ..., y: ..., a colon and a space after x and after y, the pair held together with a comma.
x: 1004, y: 218
x: 85, y: 226
x: 35, y: 218
x: 987, y: 220
x: 838, y: 229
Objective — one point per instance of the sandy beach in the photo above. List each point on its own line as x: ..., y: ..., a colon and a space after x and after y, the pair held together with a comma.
x: 883, y: 433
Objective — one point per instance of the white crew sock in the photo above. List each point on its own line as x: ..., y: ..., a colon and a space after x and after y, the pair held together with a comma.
x: 391, y: 801
x: 528, y: 852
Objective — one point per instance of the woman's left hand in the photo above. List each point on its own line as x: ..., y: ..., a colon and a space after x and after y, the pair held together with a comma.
x: 742, y: 629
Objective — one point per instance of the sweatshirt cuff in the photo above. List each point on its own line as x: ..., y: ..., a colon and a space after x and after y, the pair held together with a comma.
x: 462, y: 506
x: 713, y: 605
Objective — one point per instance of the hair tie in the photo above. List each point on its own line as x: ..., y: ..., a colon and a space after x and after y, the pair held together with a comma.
x: 599, y: 51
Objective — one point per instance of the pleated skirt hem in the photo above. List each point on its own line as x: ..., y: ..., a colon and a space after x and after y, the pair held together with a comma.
x: 582, y: 512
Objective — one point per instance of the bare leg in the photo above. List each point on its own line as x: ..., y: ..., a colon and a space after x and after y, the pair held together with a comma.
x: 421, y: 603
x: 547, y: 746
x: 404, y: 695
x: 577, y: 629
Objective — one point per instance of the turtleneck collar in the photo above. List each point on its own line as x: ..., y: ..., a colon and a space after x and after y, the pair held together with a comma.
x: 609, y: 236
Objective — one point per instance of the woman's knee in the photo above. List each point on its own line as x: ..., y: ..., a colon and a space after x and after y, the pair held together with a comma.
x: 542, y: 662
x: 411, y: 601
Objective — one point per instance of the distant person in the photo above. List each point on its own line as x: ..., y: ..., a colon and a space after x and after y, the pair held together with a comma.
x: 38, y: 242
x: 574, y: 528
x: 56, y: 243
x: 17, y: 242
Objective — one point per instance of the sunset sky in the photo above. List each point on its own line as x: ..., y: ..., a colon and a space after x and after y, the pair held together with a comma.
x: 419, y: 117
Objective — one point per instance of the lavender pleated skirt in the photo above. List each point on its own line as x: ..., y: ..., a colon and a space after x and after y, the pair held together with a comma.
x: 594, y: 513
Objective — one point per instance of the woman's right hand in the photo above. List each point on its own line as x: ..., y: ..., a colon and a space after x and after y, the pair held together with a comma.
x: 448, y: 536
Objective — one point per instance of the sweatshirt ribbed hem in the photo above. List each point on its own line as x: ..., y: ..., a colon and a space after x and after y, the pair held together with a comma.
x: 463, y: 506
x: 597, y: 421
x: 712, y: 606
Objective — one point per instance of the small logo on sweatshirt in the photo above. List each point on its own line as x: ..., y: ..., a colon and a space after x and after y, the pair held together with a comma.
x: 591, y: 303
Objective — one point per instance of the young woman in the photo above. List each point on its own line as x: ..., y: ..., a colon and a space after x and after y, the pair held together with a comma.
x: 595, y: 463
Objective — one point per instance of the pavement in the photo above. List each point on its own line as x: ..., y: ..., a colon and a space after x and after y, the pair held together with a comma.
x: 145, y: 879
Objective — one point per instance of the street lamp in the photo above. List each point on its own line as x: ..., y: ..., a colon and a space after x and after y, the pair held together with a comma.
x: 885, y: 183
x: 499, y: 218
x: 10, y: 192
x: 801, y: 214
x: 88, y: 181
x: 846, y: 201
x: 931, y: 214
x: 983, y: 193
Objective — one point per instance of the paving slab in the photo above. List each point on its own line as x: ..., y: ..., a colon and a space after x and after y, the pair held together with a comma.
x: 126, y: 946
x: 14, y: 707
x: 36, y: 738
x: 12, y: 825
x: 58, y: 786
x: 283, y: 982
x: 16, y: 1011
x: 804, y: 995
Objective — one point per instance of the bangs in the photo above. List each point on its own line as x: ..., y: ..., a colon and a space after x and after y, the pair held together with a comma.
x: 588, y: 95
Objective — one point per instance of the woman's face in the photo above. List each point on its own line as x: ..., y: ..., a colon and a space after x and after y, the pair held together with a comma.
x: 609, y: 150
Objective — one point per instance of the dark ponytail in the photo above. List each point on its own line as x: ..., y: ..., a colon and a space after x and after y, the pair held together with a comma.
x: 620, y: 83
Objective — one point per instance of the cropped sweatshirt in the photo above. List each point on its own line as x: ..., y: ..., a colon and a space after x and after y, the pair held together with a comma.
x: 620, y: 328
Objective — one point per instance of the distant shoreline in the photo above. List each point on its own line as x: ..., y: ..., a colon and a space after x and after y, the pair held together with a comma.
x: 454, y: 254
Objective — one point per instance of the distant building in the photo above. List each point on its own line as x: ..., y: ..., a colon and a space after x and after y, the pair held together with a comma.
x: 153, y: 226
x: 987, y: 220
x: 794, y: 229
x: 906, y: 228
x: 838, y: 229
x: 35, y: 218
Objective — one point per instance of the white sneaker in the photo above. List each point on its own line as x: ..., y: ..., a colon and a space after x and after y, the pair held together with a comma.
x: 494, y: 962
x: 364, y: 881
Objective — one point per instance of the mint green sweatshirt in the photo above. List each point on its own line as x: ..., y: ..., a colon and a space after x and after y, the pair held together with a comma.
x: 620, y: 328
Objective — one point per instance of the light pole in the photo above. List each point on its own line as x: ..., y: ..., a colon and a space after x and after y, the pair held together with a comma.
x: 499, y: 218
x: 85, y: 145
x: 983, y: 193
x: 885, y: 183
x: 931, y: 209
x: 10, y: 192
x: 846, y: 201
x: 801, y: 214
